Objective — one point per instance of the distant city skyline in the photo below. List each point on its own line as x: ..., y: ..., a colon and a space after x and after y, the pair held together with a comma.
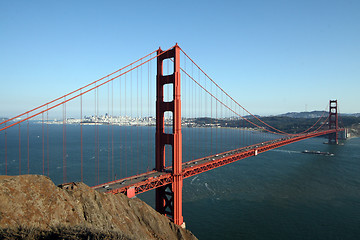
x: 273, y: 57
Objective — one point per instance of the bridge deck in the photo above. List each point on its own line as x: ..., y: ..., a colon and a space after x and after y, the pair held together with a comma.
x: 151, y: 180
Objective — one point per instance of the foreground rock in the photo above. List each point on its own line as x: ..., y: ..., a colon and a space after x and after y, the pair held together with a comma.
x: 32, y: 207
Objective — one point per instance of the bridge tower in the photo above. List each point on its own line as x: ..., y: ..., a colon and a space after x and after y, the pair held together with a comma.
x: 333, y: 121
x: 169, y: 197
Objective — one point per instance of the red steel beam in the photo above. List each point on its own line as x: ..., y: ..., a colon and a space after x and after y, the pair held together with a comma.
x: 229, y: 157
x: 145, y: 185
x: 189, y: 172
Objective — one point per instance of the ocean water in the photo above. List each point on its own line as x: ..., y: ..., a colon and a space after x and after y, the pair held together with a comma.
x: 280, y: 194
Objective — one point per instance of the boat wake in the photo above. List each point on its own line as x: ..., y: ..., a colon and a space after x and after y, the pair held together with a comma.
x: 193, y: 179
x: 207, y: 186
x: 285, y: 151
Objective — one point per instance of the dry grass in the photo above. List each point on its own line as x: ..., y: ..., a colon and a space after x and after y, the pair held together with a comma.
x: 71, y: 233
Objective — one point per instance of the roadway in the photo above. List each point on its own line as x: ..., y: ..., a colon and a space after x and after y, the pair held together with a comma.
x: 153, y: 179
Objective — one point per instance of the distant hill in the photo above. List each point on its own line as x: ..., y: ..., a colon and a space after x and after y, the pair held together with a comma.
x: 314, y: 114
x: 351, y: 114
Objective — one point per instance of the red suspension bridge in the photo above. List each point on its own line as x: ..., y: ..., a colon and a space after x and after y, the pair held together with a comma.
x: 104, y: 133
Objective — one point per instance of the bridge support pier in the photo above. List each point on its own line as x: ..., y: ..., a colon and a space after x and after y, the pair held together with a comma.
x: 169, y: 198
x: 333, y: 122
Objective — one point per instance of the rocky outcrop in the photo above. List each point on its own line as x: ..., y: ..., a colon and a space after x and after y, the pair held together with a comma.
x: 32, y: 207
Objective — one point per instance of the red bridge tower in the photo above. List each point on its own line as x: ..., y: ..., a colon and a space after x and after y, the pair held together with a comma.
x: 333, y: 121
x: 169, y: 197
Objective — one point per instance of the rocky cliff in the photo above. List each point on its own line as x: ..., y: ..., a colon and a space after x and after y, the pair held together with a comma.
x: 32, y: 207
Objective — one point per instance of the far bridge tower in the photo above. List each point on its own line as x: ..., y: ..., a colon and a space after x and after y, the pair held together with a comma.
x: 333, y: 122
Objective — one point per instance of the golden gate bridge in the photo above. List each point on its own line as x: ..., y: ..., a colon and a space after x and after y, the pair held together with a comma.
x: 104, y: 132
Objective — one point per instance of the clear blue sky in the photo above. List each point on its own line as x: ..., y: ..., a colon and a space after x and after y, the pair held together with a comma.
x: 271, y: 56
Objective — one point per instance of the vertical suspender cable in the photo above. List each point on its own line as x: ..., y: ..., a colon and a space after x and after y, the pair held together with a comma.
x: 28, y: 146
x: 125, y: 142
x: 64, y: 141
x: 222, y: 122
x: 108, y: 132
x: 244, y: 133
x: 43, y: 143
x: 98, y: 137
x: 47, y: 139
x: 217, y: 121
x: 191, y: 108
x: 211, y: 119
x: 148, y: 115
x: 5, y: 150
x: 240, y: 130
x: 120, y: 107
x: 185, y: 99
x: 131, y: 115
x: 81, y: 138
x: 205, y: 110
x: 112, y: 130
x: 141, y: 109
x: 137, y: 121
x: 19, y: 151
x: 192, y: 111
x: 199, y: 112
x: 95, y: 138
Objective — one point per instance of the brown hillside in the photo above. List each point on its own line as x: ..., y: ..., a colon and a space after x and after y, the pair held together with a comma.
x: 33, y: 207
